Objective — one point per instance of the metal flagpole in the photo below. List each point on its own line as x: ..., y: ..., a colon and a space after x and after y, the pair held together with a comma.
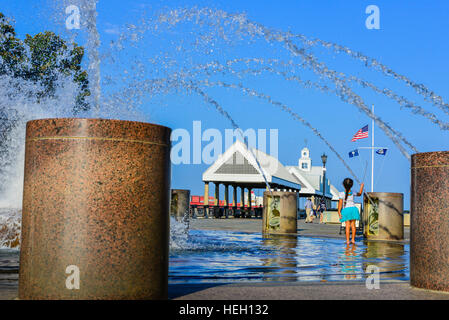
x: 372, y: 153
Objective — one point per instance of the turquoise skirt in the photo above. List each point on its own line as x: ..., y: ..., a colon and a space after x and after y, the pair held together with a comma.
x: 350, y: 213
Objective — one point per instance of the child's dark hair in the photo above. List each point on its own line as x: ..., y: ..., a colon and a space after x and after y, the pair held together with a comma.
x: 347, y: 183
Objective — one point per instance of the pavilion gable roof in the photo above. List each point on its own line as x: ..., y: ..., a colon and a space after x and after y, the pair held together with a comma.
x: 238, y: 164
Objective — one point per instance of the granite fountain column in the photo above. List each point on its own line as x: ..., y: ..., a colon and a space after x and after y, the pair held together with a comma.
x: 429, y: 225
x: 95, y: 210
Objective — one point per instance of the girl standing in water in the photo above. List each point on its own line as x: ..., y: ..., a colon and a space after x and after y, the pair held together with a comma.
x: 347, y: 211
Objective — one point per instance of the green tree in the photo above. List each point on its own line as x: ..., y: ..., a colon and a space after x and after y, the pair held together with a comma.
x: 11, y: 48
x: 42, y: 58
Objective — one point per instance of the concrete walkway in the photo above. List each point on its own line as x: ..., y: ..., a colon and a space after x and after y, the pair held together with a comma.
x: 284, y: 291
x: 303, y: 291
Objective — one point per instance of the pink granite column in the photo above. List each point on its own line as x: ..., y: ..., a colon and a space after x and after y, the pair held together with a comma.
x: 96, y: 201
x: 429, y: 228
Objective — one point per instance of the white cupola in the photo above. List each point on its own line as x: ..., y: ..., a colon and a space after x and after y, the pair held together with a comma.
x: 305, y: 163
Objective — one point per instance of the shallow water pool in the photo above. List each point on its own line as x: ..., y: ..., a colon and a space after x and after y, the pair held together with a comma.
x: 226, y: 257
x: 223, y: 256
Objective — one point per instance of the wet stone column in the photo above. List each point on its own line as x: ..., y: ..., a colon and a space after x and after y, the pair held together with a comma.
x: 95, y: 210
x: 429, y: 221
x: 280, y: 212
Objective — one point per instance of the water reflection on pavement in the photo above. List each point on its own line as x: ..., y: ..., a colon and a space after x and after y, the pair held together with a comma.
x: 222, y: 256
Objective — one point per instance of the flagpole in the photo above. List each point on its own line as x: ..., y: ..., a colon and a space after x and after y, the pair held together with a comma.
x: 372, y: 153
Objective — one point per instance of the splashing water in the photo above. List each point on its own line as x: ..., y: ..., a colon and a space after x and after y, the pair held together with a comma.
x: 253, y: 29
x: 93, y: 45
x: 10, y: 230
x: 421, y: 89
x: 179, y: 233
x: 10, y: 226
x: 19, y: 96
x: 239, y: 25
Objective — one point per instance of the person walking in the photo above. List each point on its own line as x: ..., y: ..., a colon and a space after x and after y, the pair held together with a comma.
x: 347, y: 211
x: 309, y: 213
x: 321, y: 209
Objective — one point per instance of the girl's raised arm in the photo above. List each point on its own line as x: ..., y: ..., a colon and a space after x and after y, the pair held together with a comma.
x: 361, y: 190
x: 340, y: 206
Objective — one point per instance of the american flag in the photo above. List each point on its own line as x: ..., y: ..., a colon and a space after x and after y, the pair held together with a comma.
x: 361, y: 134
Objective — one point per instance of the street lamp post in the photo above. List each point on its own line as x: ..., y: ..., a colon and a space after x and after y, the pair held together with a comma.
x: 324, y: 159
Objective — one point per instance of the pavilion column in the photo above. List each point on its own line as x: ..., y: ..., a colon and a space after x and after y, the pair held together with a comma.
x: 226, y: 202
x: 206, y: 198
x: 242, y: 198
x: 217, y: 193
x: 249, y: 199
x: 234, y: 196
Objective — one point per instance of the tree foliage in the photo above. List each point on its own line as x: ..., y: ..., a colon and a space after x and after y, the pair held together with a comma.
x: 42, y: 58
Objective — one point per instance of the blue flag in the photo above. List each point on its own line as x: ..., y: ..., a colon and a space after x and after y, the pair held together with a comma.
x: 382, y: 152
x: 354, y: 153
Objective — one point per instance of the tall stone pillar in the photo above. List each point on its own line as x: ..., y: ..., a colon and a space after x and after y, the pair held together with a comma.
x: 95, y: 219
x: 280, y: 212
x: 429, y: 225
x: 206, y: 199
x: 234, y: 196
x: 242, y: 199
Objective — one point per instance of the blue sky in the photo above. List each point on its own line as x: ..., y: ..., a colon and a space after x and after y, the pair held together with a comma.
x: 412, y: 41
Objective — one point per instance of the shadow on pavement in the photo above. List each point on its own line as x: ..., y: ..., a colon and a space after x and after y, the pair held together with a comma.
x: 182, y: 289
